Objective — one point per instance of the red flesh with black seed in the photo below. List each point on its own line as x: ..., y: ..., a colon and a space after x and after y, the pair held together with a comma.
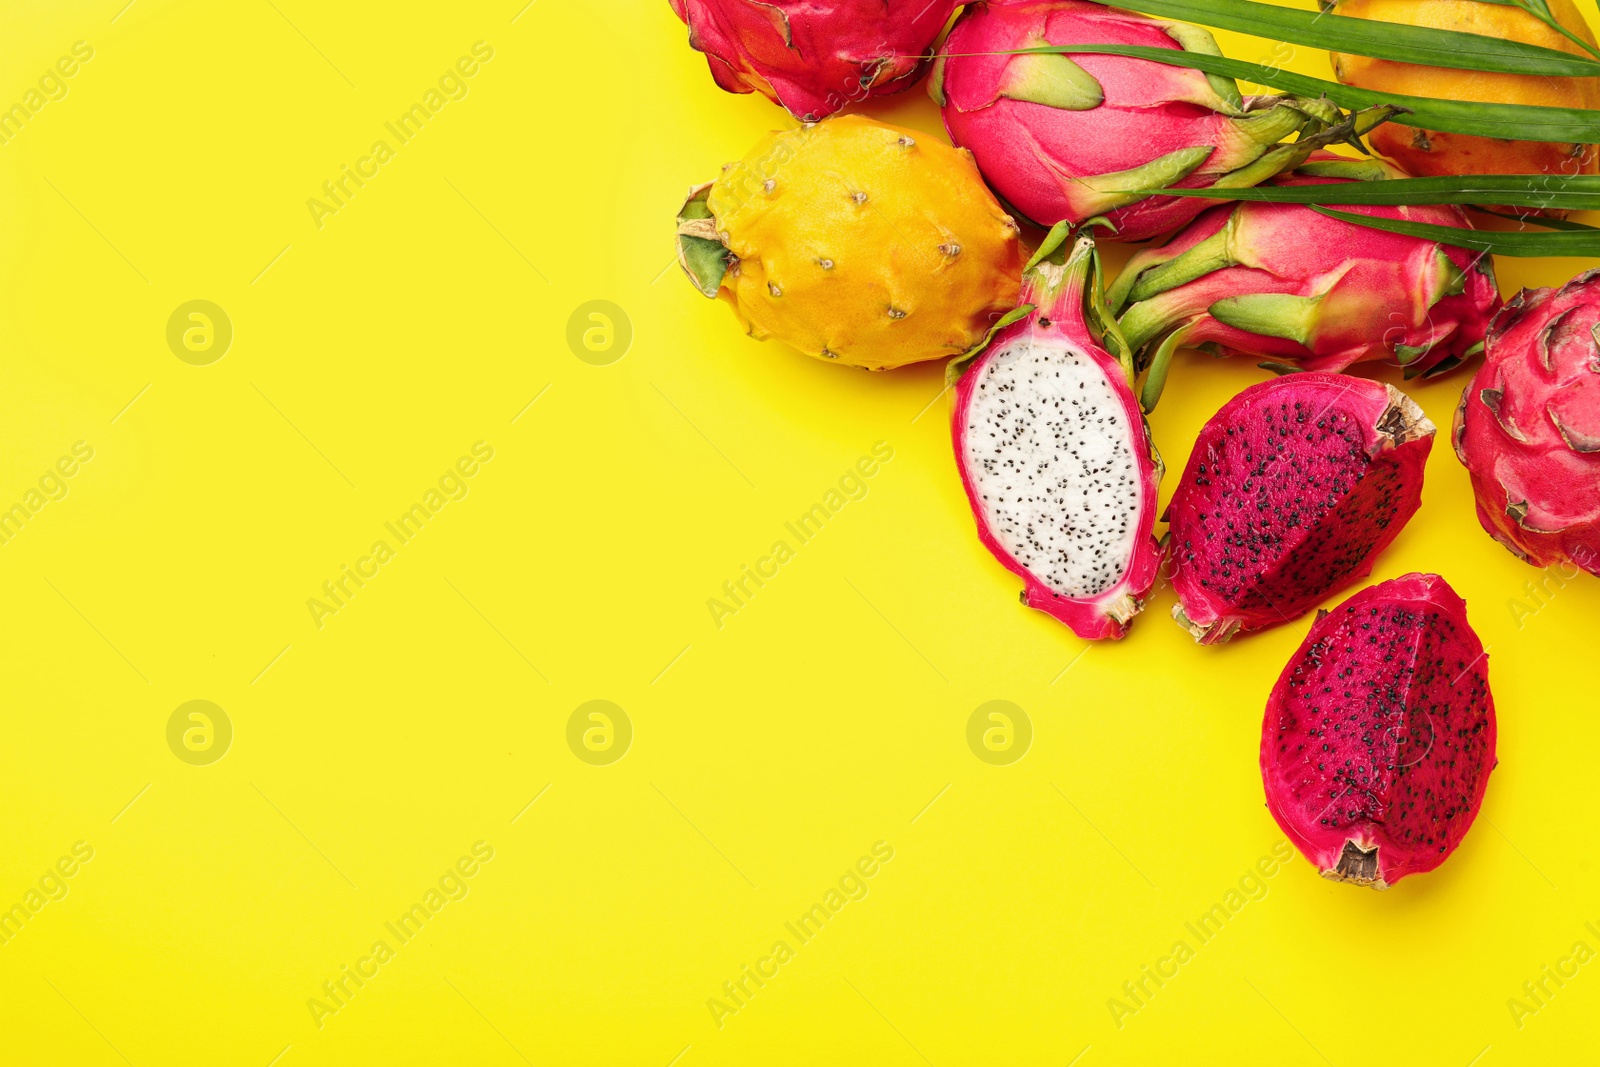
x: 1380, y: 734
x: 1291, y: 492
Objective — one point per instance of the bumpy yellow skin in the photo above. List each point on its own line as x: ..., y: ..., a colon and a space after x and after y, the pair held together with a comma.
x: 1428, y: 153
x: 865, y: 244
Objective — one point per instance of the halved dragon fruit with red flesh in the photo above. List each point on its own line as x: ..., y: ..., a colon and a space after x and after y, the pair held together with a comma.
x: 1056, y: 456
x: 1380, y: 734
x: 1292, y: 490
x: 815, y: 56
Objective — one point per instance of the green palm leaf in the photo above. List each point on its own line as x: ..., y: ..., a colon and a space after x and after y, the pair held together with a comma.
x: 1381, y: 40
x: 1554, y: 224
x: 1548, y: 192
x: 1541, y: 11
x: 1558, y: 243
x: 1522, y: 122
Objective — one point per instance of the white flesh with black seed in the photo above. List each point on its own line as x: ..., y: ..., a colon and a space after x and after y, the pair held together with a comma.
x: 1050, y: 450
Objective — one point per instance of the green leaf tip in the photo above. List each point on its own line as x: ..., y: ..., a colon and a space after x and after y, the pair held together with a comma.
x: 701, y: 253
x: 1582, y: 243
x: 1053, y: 80
x: 1382, y: 40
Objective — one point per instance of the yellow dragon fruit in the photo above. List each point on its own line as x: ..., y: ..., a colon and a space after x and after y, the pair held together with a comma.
x: 856, y: 242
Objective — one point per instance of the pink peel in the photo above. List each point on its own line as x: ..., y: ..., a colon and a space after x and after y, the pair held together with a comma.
x: 814, y: 57
x: 1528, y: 427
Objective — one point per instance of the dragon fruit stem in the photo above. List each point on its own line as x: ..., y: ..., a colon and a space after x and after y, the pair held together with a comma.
x: 1150, y: 319
x: 1270, y: 314
x: 1076, y: 295
x: 1056, y: 284
x: 1334, y: 130
x: 1272, y: 125
x: 1212, y: 254
x: 1120, y: 295
x: 1156, y: 380
x: 1361, y: 170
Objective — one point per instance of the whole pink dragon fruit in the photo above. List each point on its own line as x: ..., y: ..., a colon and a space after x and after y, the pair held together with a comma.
x: 1292, y: 490
x: 1528, y: 429
x: 1380, y: 734
x: 1284, y: 283
x: 1056, y: 457
x: 1070, y: 137
x: 815, y: 56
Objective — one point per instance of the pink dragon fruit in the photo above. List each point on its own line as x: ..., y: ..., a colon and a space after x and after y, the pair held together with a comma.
x: 1528, y: 429
x: 815, y: 56
x: 1055, y: 455
x: 1068, y: 138
x: 1283, y: 283
x: 1292, y: 490
x: 1380, y: 734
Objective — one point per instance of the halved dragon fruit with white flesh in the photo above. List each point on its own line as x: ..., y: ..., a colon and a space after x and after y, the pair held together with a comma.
x: 1055, y: 454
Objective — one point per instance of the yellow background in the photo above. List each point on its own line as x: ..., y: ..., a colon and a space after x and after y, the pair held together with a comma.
x: 767, y: 756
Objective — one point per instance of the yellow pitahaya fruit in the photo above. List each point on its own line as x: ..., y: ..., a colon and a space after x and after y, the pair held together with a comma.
x: 1432, y: 153
x: 856, y: 242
